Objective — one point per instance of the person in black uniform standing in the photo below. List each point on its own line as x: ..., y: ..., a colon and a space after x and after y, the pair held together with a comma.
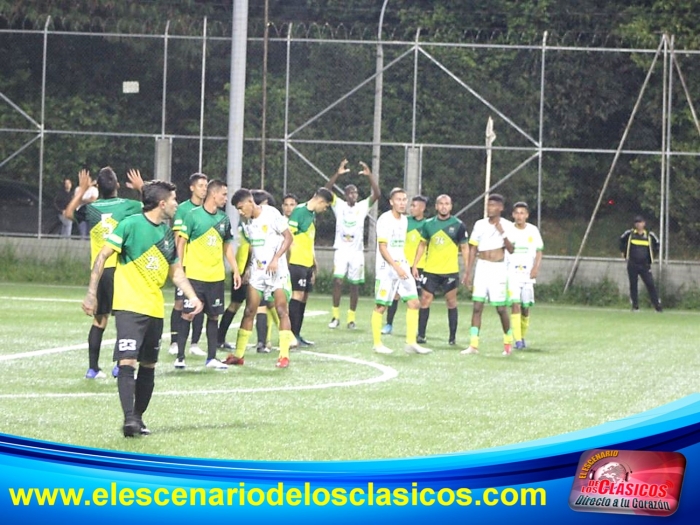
x: 638, y: 246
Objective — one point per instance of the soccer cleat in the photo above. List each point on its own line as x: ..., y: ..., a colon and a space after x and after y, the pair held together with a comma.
x: 173, y: 349
x: 507, y: 350
x: 523, y: 342
x: 268, y: 345
x: 216, y: 364
x: 519, y: 345
x: 387, y: 329
x: 115, y: 370
x: 131, y: 427
x: 180, y: 364
x: 415, y: 348
x: 381, y: 349
x: 451, y: 342
x: 421, y: 340
x: 335, y: 323
x: 469, y: 351
x: 227, y: 346
x: 144, y: 429
x: 658, y: 308
x: 95, y: 374
x: 282, y: 362
x: 352, y: 325
x: 304, y: 342
x: 233, y: 360
x: 261, y: 348
x: 196, y: 350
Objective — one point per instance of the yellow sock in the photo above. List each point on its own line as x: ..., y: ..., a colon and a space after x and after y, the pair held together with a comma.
x: 474, y: 337
x: 411, y: 325
x: 351, y: 316
x: 508, y: 338
x: 272, y: 314
x: 285, y: 340
x: 270, y: 321
x: 525, y: 324
x: 515, y: 326
x: 241, y: 342
x: 336, y: 312
x: 377, y: 320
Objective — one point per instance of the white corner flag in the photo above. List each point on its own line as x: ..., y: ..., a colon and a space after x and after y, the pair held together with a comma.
x: 490, y: 138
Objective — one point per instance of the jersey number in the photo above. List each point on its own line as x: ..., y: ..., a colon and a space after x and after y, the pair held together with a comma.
x: 106, y: 226
x: 127, y: 345
x: 211, y: 240
x: 152, y: 263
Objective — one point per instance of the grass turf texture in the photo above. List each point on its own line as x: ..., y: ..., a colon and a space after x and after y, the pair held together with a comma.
x: 584, y: 366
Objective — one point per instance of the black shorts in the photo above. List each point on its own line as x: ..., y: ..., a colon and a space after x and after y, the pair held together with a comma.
x: 138, y: 336
x: 301, y: 277
x: 105, y: 292
x: 211, y: 295
x: 432, y: 282
x: 420, y: 280
x: 239, y: 296
x: 179, y: 294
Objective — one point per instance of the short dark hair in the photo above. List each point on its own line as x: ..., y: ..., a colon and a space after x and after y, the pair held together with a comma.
x: 241, y: 195
x: 496, y: 197
x: 290, y: 196
x: 521, y: 204
x: 261, y: 195
x: 420, y: 198
x: 197, y: 176
x: 396, y: 190
x: 214, y: 185
x: 325, y: 194
x: 155, y: 191
x: 350, y: 186
x: 107, y: 182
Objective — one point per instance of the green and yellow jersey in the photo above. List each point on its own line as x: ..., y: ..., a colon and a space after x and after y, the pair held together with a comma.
x: 146, y: 252
x: 413, y: 238
x: 102, y: 217
x: 206, y: 233
x: 444, y: 238
x: 303, y: 228
x: 182, y: 210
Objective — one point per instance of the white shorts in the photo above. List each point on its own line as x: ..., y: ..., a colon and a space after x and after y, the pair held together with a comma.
x: 350, y: 263
x: 521, y: 291
x: 388, y: 284
x: 491, y: 282
x: 267, y: 284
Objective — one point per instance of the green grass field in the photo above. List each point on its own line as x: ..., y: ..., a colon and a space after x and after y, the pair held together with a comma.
x: 585, y: 366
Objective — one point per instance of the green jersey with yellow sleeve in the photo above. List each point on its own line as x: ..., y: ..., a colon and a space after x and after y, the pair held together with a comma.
x: 303, y: 228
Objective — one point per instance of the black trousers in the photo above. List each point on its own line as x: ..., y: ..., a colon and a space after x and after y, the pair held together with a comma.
x: 643, y: 270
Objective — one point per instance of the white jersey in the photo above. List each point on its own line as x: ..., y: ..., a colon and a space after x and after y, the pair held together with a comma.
x: 265, y: 235
x: 391, y: 231
x: 350, y: 224
x: 526, y: 243
x: 486, y: 237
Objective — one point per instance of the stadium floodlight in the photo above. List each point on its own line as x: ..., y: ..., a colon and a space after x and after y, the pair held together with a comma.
x: 130, y: 86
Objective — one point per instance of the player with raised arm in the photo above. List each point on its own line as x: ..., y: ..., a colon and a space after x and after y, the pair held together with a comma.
x: 393, y: 274
x: 102, y: 217
x: 349, y: 255
x: 146, y: 255
x: 488, y: 243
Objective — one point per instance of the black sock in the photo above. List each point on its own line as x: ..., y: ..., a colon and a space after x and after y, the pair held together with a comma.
x: 182, y: 336
x: 392, y: 311
x: 226, y: 321
x: 197, y: 325
x: 261, y: 327
x: 94, y: 344
x: 301, y: 316
x: 452, y: 319
x: 295, y: 316
x: 126, y: 384
x: 423, y: 316
x: 144, y: 389
x: 212, y: 329
x: 175, y: 317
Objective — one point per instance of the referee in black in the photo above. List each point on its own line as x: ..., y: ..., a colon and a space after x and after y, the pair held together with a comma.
x: 638, y: 246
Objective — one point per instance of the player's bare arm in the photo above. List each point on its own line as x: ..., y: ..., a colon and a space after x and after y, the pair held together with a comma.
x: 464, y: 249
x: 84, y: 183
x: 180, y: 243
x: 231, y: 258
x: 536, y: 266
x: 342, y: 170
x: 90, y: 302
x: 467, y: 279
x: 419, y: 253
x: 286, y: 243
x: 134, y: 180
x: 177, y: 276
x: 376, y: 192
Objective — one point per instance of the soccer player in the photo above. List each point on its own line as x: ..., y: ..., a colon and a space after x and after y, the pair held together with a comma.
x: 146, y: 256
x: 349, y: 256
x: 393, y: 274
x: 302, y: 261
x: 489, y: 241
x: 102, y: 216
x: 269, y: 237
x: 206, y: 230
x: 416, y: 219
x: 523, y: 267
x: 638, y: 246
x: 289, y: 202
x: 445, y: 237
x: 198, y: 190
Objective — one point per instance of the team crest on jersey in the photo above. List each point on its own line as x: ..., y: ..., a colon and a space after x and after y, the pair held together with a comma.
x: 264, y: 228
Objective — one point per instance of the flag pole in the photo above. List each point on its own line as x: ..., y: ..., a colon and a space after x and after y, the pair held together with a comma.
x: 490, y: 137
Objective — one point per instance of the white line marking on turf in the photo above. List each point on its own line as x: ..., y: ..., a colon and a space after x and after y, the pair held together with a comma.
x: 60, y: 349
x: 388, y: 373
